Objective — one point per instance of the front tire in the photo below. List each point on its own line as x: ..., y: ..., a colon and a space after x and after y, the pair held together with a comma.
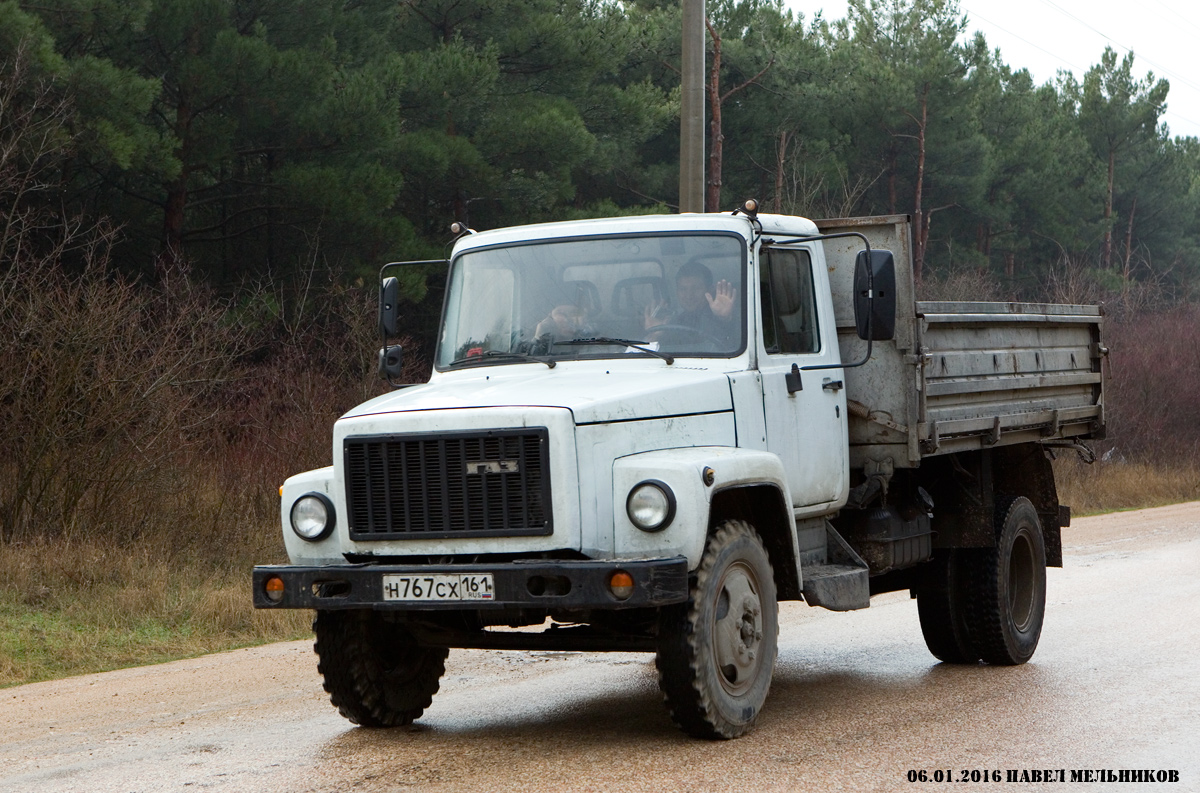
x: 375, y: 672
x: 716, y: 652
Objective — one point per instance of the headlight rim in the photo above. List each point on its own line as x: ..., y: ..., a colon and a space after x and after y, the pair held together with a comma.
x: 666, y: 490
x: 330, y: 512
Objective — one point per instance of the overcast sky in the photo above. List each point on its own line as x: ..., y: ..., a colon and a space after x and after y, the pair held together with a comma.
x: 1045, y: 36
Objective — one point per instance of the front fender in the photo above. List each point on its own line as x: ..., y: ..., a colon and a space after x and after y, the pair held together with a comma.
x: 682, y: 470
x: 326, y: 551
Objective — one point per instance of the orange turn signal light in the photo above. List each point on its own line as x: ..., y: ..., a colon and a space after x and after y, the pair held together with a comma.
x: 274, y: 588
x: 621, y: 584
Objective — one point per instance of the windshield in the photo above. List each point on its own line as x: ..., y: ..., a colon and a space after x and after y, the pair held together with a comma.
x: 683, y: 295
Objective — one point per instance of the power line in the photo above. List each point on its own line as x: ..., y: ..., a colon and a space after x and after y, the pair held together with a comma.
x: 1181, y: 118
x: 1053, y: 55
x: 1167, y: 113
x: 1178, y: 15
x: 1110, y: 40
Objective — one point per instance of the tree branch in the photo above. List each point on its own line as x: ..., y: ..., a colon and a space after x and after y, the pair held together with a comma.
x: 190, y: 233
x: 753, y: 79
x: 647, y: 197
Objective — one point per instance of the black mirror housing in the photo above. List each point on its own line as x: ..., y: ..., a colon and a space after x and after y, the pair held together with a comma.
x: 875, y: 295
x: 391, y: 362
x: 389, y: 308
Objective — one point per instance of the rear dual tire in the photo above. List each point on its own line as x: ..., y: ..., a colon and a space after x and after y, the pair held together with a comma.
x: 942, y: 611
x: 989, y: 603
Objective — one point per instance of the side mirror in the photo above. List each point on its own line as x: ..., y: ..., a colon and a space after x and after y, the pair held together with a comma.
x: 389, y: 308
x: 391, y: 361
x: 875, y: 295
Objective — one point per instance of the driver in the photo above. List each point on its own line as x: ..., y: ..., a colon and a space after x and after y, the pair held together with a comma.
x: 564, y: 322
x: 703, y: 306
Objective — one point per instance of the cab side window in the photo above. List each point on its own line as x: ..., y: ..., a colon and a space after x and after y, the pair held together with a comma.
x: 789, y: 308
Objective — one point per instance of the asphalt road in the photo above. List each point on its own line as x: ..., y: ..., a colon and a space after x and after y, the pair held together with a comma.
x: 856, y: 704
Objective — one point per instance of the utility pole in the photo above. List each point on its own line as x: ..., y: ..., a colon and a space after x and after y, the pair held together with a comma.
x: 691, y: 116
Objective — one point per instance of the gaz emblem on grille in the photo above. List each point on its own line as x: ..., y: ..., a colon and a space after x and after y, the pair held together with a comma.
x: 493, y: 467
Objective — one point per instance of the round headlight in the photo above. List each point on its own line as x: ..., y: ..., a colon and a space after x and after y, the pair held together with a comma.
x: 651, y: 505
x: 313, y: 516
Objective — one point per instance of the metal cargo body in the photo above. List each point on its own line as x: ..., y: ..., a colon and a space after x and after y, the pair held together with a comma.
x: 961, y: 375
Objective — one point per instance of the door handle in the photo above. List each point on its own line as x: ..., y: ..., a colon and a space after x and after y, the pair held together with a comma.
x: 793, y: 381
x: 832, y: 385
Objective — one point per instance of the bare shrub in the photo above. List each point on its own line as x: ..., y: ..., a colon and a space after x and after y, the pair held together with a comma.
x: 302, y: 367
x: 103, y: 379
x: 153, y: 426
x: 33, y: 143
x: 1154, y: 377
x: 975, y: 283
x: 166, y: 416
x: 802, y: 189
x: 1072, y: 280
x: 150, y: 428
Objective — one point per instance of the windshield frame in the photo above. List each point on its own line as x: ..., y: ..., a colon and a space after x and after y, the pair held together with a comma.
x: 579, y: 353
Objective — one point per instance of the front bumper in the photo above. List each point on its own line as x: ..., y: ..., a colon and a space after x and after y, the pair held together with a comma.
x: 536, y: 583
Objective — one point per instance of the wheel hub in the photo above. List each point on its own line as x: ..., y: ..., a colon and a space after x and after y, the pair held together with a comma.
x: 1022, y: 575
x: 738, y: 629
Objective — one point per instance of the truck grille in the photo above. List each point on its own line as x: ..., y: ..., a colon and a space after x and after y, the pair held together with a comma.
x: 454, y: 484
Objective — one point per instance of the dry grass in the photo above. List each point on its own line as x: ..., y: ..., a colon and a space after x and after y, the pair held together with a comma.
x: 70, y: 608
x: 1107, y: 487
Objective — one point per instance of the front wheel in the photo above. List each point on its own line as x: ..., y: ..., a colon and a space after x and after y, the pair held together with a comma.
x: 716, y: 652
x: 375, y: 672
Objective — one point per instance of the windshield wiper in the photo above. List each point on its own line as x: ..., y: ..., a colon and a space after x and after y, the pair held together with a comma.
x: 519, y: 356
x: 635, y: 344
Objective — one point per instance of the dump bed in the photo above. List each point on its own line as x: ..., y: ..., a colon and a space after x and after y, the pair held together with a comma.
x: 961, y: 375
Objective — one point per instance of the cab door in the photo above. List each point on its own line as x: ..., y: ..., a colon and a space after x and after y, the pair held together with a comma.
x: 805, y: 410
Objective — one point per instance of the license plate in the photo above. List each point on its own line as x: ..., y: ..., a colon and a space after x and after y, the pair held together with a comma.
x: 439, y: 588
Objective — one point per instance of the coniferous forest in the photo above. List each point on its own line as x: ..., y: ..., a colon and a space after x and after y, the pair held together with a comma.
x: 254, y: 138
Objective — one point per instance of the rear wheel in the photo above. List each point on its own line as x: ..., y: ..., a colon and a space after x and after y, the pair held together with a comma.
x: 1007, y: 587
x: 942, y: 608
x: 717, y: 652
x: 375, y: 672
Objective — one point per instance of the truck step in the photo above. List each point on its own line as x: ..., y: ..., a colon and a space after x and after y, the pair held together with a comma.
x: 837, y: 587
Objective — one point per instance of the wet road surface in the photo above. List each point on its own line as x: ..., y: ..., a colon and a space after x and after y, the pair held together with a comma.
x: 857, y: 702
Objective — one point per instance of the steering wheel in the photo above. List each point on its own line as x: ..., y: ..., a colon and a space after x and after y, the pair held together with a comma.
x: 699, y: 334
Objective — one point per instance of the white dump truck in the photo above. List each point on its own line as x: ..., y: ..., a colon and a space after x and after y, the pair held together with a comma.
x: 643, y: 433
